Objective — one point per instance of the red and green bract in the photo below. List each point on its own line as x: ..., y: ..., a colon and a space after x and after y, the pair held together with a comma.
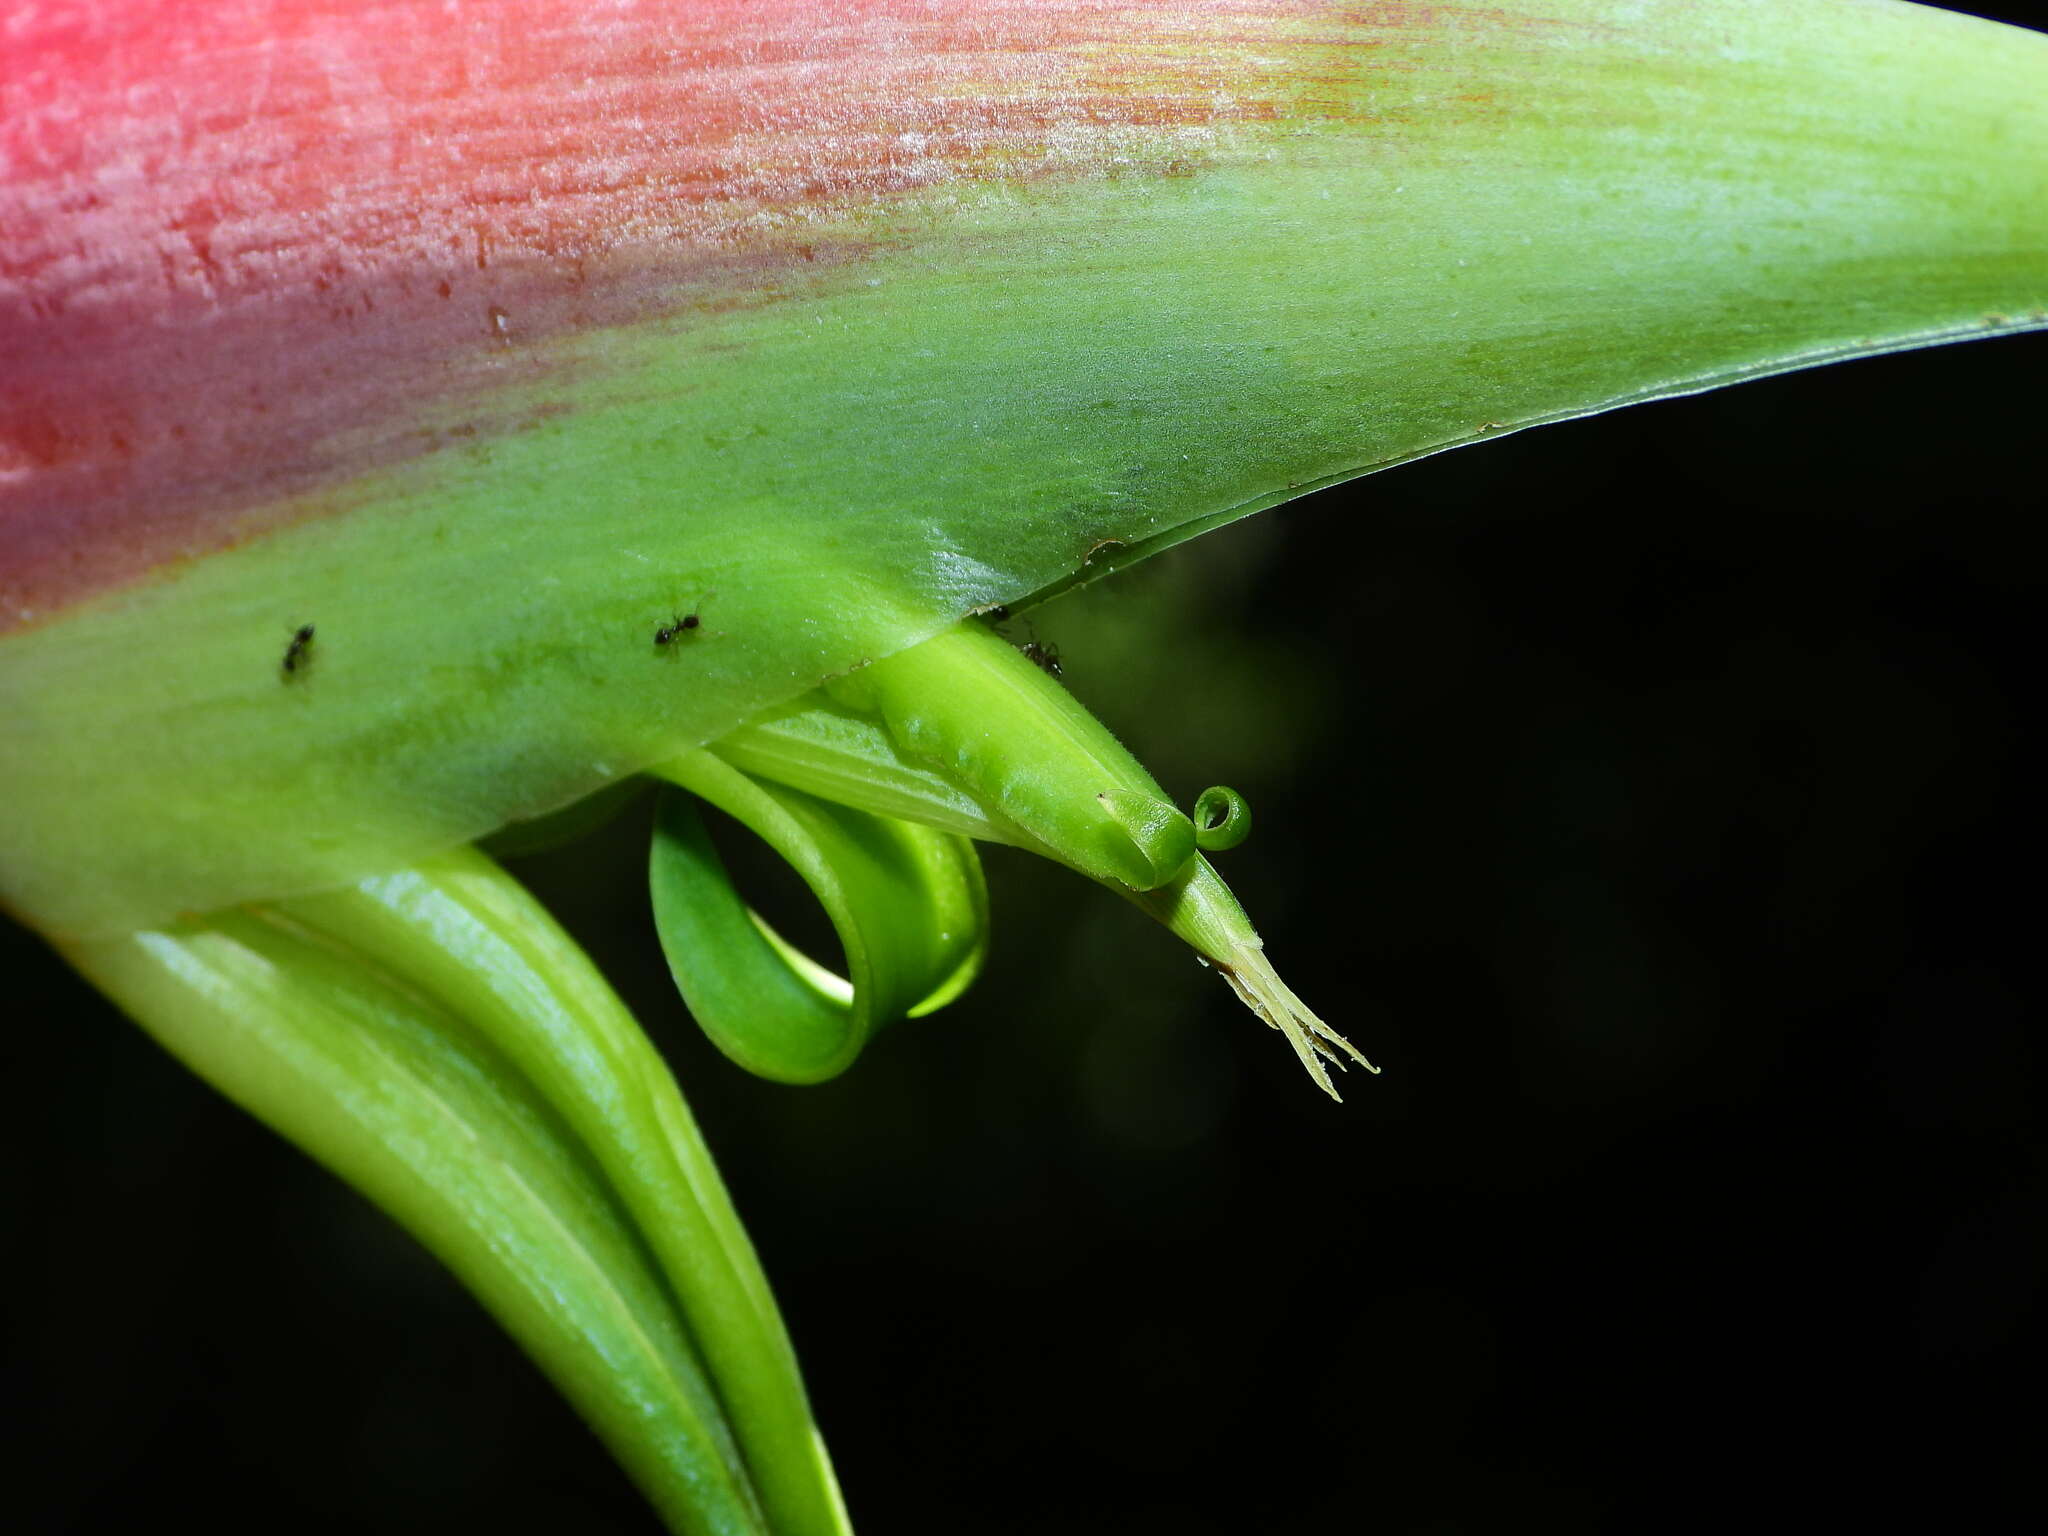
x: 486, y: 338
x: 249, y: 242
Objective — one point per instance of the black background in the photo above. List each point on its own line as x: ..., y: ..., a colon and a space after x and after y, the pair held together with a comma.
x: 1655, y: 797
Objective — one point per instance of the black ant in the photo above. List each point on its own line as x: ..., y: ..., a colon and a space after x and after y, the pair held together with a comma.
x: 1043, y: 654
x: 681, y: 624
x: 295, y: 653
x: 675, y: 627
x: 1046, y: 656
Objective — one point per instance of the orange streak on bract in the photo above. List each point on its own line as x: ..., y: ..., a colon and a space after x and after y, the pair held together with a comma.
x: 245, y: 243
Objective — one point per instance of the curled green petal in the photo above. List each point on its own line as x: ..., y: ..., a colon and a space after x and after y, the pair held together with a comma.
x: 907, y: 902
x: 1223, y: 819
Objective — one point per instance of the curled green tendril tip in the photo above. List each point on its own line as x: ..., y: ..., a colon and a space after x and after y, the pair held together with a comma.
x: 1222, y: 819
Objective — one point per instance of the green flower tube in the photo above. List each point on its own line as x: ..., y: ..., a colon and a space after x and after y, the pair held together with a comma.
x: 965, y: 736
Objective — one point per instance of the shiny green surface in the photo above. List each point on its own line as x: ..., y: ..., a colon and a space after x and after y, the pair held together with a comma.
x: 466, y: 936
x: 420, y: 1110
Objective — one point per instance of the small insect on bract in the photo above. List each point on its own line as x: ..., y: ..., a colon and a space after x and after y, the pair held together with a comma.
x: 682, y: 623
x: 1043, y: 655
x: 295, y: 652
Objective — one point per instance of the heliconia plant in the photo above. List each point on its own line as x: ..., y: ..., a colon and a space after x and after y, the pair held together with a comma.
x: 417, y: 421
